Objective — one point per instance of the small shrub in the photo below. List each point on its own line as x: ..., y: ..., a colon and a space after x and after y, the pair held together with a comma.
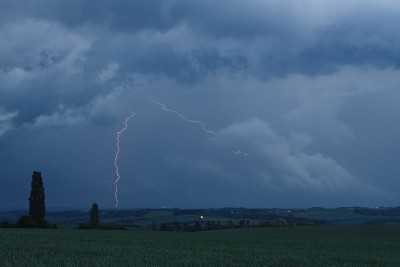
x: 265, y: 224
x: 26, y: 221
x: 152, y: 227
x: 43, y: 223
x: 6, y: 224
x: 164, y: 227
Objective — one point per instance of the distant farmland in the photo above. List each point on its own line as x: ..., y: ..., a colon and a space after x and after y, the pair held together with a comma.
x: 145, y: 217
x: 351, y: 245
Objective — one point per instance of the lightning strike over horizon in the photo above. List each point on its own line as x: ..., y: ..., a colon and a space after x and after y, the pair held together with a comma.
x: 235, y: 152
x: 116, y: 157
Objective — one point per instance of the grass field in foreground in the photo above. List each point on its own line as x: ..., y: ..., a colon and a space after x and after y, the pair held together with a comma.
x: 360, y: 245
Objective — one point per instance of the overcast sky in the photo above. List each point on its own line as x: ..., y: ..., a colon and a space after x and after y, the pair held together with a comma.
x: 309, y: 89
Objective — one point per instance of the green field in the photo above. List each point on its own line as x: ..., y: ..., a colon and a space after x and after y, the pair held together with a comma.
x: 361, y: 245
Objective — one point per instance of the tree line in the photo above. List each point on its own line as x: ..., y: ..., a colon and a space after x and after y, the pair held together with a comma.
x: 37, y: 210
x: 196, y: 226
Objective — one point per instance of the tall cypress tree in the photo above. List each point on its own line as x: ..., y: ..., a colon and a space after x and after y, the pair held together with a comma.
x: 37, y: 207
x: 94, y: 215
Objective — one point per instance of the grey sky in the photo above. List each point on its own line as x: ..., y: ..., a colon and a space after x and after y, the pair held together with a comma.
x: 310, y: 89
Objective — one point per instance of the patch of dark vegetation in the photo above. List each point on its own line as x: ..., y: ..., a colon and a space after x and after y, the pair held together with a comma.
x: 125, y: 213
x: 106, y: 226
x: 196, y: 226
x: 384, y: 221
x: 110, y: 227
x: 252, y: 214
x: 388, y: 212
x: 27, y: 221
x: 6, y: 224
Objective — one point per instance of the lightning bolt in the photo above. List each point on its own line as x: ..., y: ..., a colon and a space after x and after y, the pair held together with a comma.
x: 202, y: 124
x: 116, y: 157
x: 239, y: 152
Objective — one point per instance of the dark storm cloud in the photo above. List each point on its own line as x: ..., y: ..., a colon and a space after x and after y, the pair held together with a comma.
x: 301, y: 38
x: 120, y: 16
x: 306, y: 88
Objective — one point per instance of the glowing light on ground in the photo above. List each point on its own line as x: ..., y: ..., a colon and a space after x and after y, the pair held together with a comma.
x: 116, y: 157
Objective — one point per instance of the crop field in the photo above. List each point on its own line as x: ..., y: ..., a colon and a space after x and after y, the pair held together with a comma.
x: 357, y: 245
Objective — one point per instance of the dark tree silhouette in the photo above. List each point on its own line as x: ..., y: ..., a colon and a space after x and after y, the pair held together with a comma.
x: 94, y: 215
x: 37, y: 207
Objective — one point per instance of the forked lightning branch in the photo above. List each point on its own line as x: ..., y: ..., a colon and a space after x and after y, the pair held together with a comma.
x: 119, y: 133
